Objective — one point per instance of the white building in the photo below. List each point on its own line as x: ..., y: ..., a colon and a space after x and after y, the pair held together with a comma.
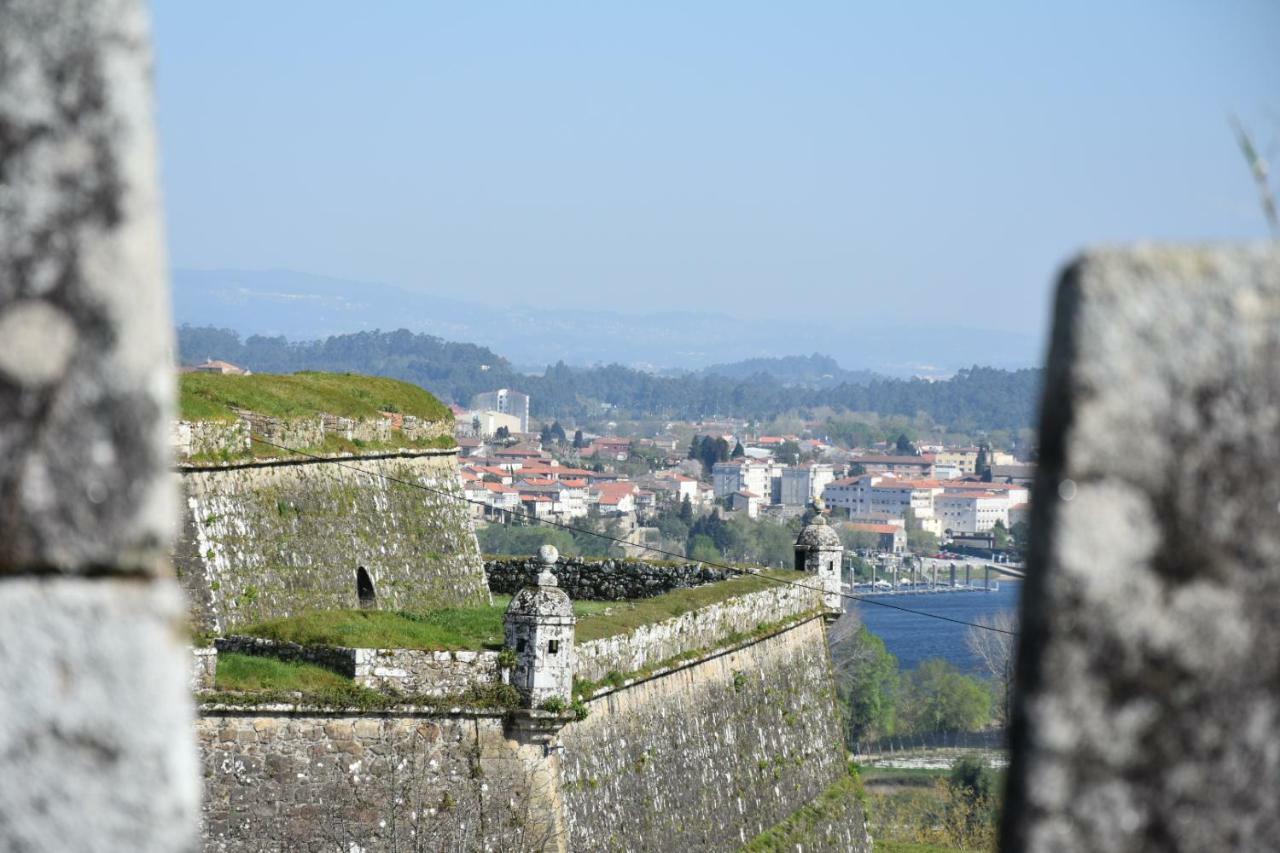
x: 751, y: 475
x: 879, y: 497
x: 802, y: 483
x: 507, y: 402
x: 972, y: 512
x: 490, y: 420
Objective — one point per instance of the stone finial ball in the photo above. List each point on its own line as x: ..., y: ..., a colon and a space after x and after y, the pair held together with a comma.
x: 548, y: 554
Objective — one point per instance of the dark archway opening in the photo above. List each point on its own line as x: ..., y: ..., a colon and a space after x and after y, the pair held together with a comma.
x: 364, y: 589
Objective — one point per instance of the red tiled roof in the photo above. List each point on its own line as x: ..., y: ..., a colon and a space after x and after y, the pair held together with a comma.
x: 926, y: 459
x: 873, y: 528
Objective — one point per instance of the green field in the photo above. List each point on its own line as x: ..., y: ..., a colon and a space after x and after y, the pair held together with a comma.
x: 214, y: 396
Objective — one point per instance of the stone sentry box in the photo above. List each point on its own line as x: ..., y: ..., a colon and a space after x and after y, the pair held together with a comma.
x: 819, y: 552
x: 539, y: 626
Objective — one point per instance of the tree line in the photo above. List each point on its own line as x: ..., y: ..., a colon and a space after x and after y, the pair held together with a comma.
x: 976, y: 398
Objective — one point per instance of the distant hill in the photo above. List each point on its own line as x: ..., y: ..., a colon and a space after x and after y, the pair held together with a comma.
x: 805, y: 371
x: 975, y: 398
x: 300, y: 306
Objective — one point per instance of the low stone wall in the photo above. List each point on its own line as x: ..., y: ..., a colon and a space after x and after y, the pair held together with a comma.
x: 213, y: 438
x: 407, y: 671
x: 290, y: 432
x: 334, y: 658
x: 704, y: 628
x: 204, y: 668
x: 412, y: 671
x: 602, y: 580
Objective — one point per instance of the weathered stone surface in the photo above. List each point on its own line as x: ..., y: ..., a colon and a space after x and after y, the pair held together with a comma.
x: 212, y: 439
x: 703, y: 628
x: 703, y: 758
x: 1148, y: 710
x: 95, y: 720
x: 204, y: 667
x: 709, y: 756
x: 304, y: 781
x: 266, y: 540
x: 602, y: 580
x: 85, y: 366
x: 95, y: 714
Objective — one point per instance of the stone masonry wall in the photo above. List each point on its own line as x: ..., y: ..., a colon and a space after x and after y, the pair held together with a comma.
x: 700, y: 758
x: 333, y: 658
x: 262, y: 540
x: 204, y: 668
x: 602, y: 580
x: 708, y: 756
x: 407, y: 671
x: 703, y: 628
x: 309, y: 780
x: 212, y: 438
x: 413, y: 671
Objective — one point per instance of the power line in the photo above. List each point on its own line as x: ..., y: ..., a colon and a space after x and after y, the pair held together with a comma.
x: 523, y: 515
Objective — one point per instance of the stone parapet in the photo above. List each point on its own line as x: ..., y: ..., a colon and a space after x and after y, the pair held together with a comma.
x: 213, y: 439
x: 704, y: 628
x: 411, y: 672
x: 425, y: 673
x: 204, y: 668
x: 602, y: 580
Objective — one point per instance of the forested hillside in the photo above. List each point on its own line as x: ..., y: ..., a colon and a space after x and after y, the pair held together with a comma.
x: 978, y: 398
x: 809, y: 371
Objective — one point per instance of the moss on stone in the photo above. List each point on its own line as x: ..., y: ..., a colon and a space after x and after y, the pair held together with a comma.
x: 805, y: 828
x: 214, y: 396
x: 625, y: 619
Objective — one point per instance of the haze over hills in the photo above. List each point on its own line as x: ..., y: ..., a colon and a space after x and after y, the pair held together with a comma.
x: 805, y: 371
x: 981, y: 398
x: 301, y: 306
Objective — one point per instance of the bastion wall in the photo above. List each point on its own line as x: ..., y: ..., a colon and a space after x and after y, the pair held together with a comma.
x: 267, y: 539
x: 704, y: 757
x: 708, y: 756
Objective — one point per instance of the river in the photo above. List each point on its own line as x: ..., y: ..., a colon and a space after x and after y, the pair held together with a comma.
x: 914, y: 638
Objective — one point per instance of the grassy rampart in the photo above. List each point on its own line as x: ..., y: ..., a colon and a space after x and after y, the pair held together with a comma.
x: 214, y: 396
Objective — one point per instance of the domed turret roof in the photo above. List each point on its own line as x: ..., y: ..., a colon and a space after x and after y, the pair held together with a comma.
x: 818, y: 534
x: 545, y: 599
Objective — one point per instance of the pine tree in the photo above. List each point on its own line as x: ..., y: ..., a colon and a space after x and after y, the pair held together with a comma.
x: 686, y: 510
x: 983, y: 466
x: 738, y: 451
x: 579, y: 441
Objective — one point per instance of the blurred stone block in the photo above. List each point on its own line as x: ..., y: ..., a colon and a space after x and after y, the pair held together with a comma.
x: 1148, y: 709
x: 96, y: 744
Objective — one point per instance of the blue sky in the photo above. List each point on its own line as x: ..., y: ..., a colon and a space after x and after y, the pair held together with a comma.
x: 909, y: 162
